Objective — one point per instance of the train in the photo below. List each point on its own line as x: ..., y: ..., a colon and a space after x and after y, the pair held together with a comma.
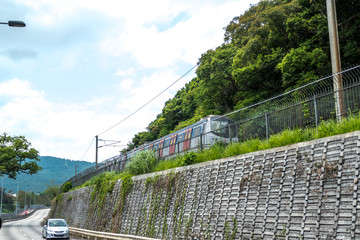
x: 195, y: 137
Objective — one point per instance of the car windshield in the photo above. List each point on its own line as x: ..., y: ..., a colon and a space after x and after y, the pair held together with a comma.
x: 57, y: 223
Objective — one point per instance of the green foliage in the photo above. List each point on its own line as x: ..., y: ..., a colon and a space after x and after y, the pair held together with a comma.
x: 103, y: 184
x: 274, y: 46
x: 17, y: 156
x: 126, y: 185
x: 300, y: 66
x: 331, y: 127
x: 228, y: 232
x: 251, y: 145
x: 8, y: 201
x: 51, y: 192
x: 288, y: 136
x: 214, y: 152
x: 55, y: 171
x: 169, y: 164
x: 142, y: 162
x: 66, y: 187
x: 188, y: 159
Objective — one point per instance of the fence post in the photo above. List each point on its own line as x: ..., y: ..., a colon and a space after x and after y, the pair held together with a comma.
x: 267, y: 126
x: 201, y: 141
x: 229, y: 129
x: 316, y: 112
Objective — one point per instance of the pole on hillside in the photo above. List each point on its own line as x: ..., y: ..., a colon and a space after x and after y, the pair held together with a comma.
x: 335, y: 58
x: 96, y: 150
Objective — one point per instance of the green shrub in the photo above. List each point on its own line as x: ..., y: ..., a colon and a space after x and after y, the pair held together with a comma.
x: 66, y: 187
x: 188, y: 159
x: 142, y: 162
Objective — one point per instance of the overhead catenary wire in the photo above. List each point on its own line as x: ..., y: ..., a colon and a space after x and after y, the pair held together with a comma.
x: 147, y: 103
x: 87, y: 149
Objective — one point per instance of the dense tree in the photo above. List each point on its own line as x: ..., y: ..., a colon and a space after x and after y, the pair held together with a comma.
x: 273, y: 47
x: 217, y: 90
x: 17, y: 156
x: 8, y: 201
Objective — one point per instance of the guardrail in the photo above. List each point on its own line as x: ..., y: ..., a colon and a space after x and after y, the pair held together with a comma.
x: 14, y: 217
x: 105, y: 235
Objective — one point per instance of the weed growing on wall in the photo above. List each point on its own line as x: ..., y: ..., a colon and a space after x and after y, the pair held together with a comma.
x: 126, y: 185
x: 229, y: 233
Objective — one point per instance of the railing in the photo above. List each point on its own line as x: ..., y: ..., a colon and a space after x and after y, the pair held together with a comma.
x: 306, y: 106
x: 104, y: 235
x: 7, y: 217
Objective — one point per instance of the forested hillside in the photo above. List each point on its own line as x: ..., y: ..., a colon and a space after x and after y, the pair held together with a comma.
x: 55, y: 171
x: 274, y: 46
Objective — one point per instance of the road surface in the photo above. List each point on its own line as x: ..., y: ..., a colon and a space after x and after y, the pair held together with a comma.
x: 25, y: 229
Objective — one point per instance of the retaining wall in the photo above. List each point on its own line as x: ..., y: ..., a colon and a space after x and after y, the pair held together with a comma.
x: 302, y: 191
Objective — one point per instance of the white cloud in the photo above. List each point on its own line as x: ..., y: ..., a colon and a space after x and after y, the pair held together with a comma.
x: 127, y: 72
x: 18, y: 88
x: 106, y: 59
x: 28, y: 113
x: 126, y: 84
x: 185, y: 40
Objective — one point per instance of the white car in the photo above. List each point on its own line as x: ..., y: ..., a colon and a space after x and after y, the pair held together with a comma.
x: 56, y: 228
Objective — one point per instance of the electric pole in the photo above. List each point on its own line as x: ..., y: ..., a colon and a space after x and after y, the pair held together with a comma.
x: 335, y: 58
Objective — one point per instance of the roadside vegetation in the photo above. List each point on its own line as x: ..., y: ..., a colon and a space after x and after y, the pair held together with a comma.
x: 146, y: 161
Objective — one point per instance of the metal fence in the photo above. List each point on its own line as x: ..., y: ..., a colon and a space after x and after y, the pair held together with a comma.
x: 306, y: 106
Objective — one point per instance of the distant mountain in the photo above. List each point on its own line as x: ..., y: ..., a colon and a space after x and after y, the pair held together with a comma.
x: 55, y: 171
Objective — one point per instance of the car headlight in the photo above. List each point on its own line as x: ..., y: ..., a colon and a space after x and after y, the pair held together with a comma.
x: 50, y: 231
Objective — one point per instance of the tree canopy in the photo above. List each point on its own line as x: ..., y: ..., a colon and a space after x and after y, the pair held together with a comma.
x: 273, y: 47
x: 17, y: 156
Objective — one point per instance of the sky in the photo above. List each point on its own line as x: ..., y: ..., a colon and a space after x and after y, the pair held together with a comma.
x: 80, y: 68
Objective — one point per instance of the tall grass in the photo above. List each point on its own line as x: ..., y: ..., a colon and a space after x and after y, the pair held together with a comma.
x: 251, y: 145
x: 332, y: 127
x: 288, y: 137
x: 168, y: 164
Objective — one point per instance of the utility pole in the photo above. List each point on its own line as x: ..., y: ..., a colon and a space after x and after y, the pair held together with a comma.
x: 106, y: 143
x: 335, y: 58
x: 2, y: 195
x: 96, y: 150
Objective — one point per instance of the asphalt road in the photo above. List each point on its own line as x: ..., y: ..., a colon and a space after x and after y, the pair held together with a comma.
x: 25, y: 229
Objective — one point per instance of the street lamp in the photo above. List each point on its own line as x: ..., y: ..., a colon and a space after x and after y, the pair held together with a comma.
x: 2, y: 195
x: 14, y: 23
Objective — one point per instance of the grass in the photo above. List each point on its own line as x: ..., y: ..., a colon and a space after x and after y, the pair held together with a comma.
x: 146, y: 161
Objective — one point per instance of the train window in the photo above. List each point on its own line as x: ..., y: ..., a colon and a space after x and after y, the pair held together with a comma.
x: 180, y: 137
x: 156, y: 146
x: 196, y: 131
x: 167, y: 142
x: 220, y: 127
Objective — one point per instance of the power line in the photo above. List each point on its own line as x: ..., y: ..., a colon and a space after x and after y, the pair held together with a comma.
x: 87, y: 149
x: 149, y: 101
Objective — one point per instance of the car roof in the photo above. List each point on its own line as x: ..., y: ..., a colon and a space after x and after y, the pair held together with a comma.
x: 56, y: 219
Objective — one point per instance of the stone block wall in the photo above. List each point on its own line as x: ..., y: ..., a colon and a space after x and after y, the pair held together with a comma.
x: 302, y: 191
